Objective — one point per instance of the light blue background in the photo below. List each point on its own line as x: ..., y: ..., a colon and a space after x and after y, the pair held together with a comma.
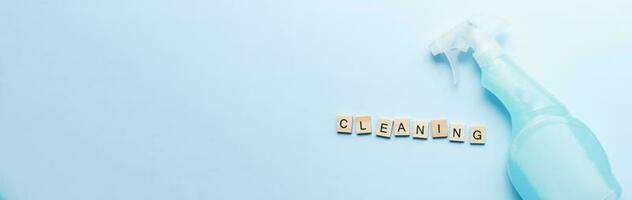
x: 194, y: 99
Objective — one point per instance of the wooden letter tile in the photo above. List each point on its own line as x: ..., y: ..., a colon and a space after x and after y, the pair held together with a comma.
x: 401, y: 127
x: 457, y: 132
x: 344, y: 124
x: 420, y: 129
x: 478, y: 134
x: 384, y: 127
x: 439, y: 128
x: 362, y: 124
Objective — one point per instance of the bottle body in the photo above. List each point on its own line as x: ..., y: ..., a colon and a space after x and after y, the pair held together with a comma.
x: 552, y: 155
x: 558, y: 157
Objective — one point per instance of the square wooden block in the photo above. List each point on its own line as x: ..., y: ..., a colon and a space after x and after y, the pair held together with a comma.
x: 457, y: 132
x: 439, y: 128
x: 383, y: 128
x: 420, y: 129
x: 401, y: 127
x: 344, y: 123
x: 478, y: 134
x: 362, y: 124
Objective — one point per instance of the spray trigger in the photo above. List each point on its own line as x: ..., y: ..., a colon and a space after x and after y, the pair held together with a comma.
x: 477, y: 33
x: 453, y: 60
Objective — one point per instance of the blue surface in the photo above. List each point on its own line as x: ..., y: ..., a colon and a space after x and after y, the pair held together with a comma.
x: 191, y: 99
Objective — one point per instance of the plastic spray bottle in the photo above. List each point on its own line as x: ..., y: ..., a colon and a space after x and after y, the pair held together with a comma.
x: 552, y: 155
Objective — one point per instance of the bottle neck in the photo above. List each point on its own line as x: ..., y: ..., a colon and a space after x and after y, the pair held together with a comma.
x: 524, y: 98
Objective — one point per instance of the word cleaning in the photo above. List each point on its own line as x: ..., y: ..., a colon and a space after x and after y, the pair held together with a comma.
x: 402, y: 127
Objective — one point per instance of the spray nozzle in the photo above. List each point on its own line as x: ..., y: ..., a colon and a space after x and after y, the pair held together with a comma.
x: 478, y: 33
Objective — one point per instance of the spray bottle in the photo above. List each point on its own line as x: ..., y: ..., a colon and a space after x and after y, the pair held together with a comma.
x: 552, y: 155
